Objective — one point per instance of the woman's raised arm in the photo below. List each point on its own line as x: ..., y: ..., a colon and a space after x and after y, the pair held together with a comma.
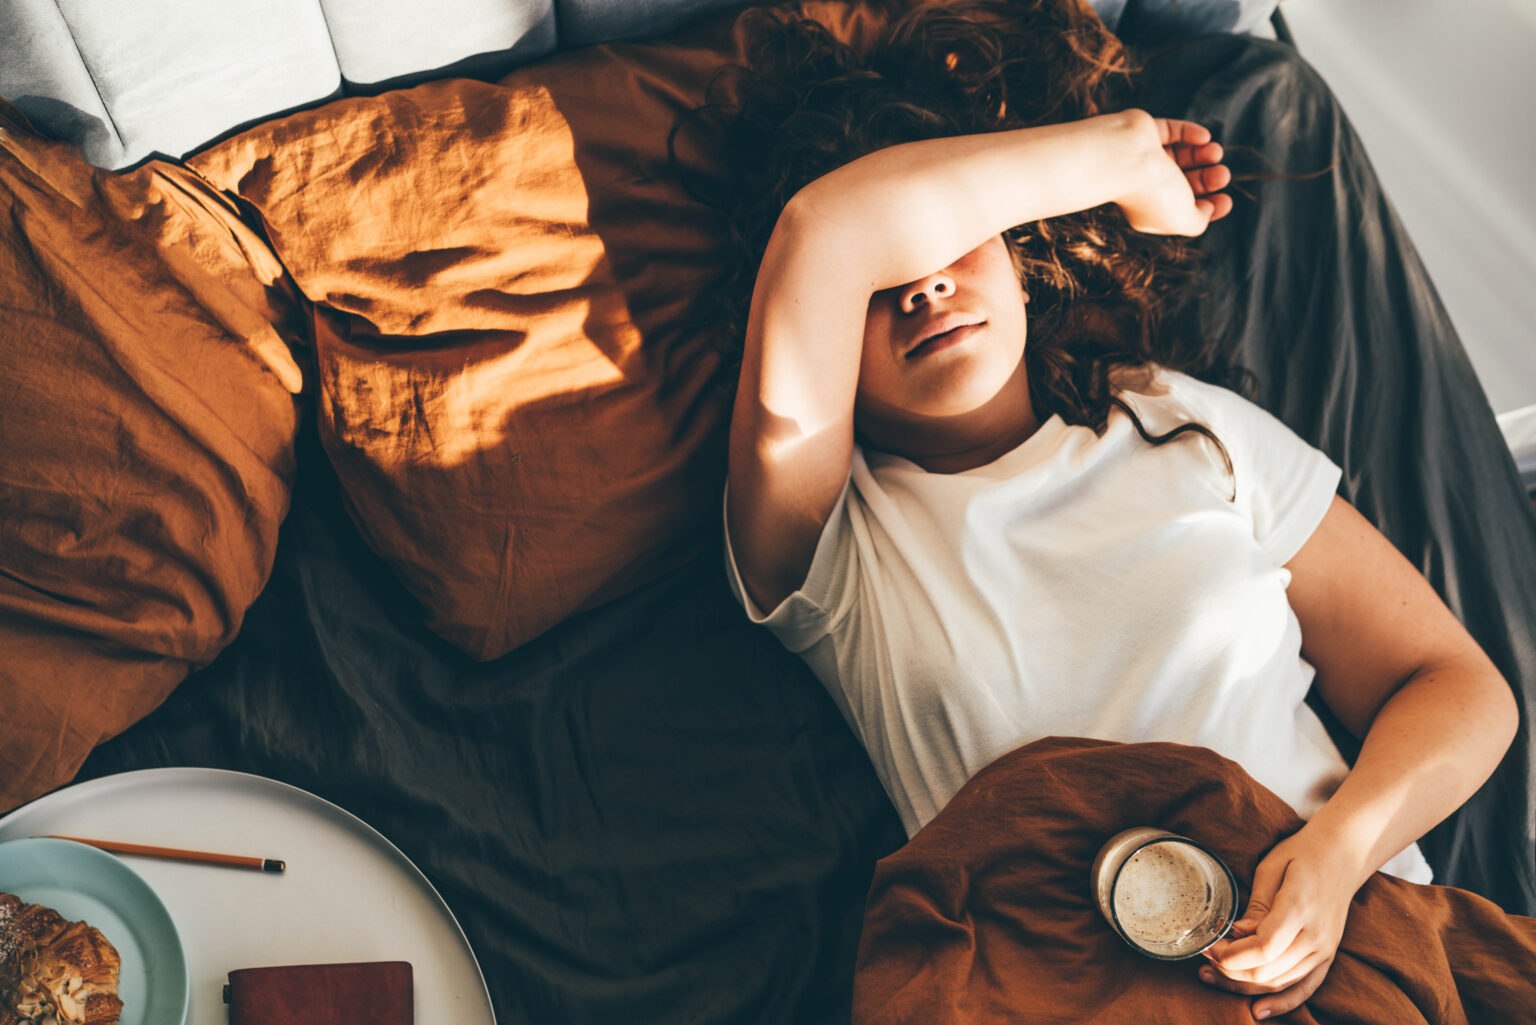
x: 881, y: 221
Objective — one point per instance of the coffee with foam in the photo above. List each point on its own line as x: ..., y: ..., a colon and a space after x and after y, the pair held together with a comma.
x: 1164, y: 894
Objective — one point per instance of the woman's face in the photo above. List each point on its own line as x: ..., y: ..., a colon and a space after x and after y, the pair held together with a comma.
x: 942, y: 346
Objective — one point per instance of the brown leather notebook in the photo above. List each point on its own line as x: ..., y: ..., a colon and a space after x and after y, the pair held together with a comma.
x: 377, y: 992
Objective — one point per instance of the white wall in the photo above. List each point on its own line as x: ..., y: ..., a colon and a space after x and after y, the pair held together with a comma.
x: 1443, y: 92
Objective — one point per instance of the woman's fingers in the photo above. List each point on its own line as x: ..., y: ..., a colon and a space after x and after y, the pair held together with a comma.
x: 1206, y: 180
x: 1188, y: 157
x: 1274, y: 929
x: 1292, y: 997
x: 1215, y: 207
x: 1288, y: 935
x: 1281, y: 970
x: 1263, y: 948
x: 1167, y: 206
x: 1275, y: 1000
x: 1175, y: 131
x: 1255, y: 929
x: 1300, y: 971
x: 1206, y: 174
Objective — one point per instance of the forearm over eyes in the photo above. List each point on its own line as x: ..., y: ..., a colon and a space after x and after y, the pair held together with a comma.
x: 899, y: 213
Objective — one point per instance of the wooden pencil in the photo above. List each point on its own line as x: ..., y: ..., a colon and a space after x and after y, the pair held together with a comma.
x: 178, y: 854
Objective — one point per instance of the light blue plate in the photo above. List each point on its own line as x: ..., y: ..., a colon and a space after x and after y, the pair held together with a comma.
x: 85, y: 884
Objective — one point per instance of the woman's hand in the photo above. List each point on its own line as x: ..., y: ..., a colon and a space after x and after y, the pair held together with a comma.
x: 1178, y: 190
x: 1286, y: 940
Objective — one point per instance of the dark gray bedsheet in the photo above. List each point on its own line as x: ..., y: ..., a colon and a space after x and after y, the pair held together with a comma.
x: 654, y: 814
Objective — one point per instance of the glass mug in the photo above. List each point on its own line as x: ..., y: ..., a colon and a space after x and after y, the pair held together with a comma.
x: 1166, y: 895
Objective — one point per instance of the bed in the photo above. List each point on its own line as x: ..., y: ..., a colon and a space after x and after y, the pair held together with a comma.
x: 359, y: 433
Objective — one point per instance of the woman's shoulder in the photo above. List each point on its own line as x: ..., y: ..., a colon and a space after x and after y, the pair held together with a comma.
x: 1155, y: 386
x: 1161, y: 392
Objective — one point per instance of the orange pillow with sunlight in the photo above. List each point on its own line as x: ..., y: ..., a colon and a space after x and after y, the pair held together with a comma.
x: 521, y: 422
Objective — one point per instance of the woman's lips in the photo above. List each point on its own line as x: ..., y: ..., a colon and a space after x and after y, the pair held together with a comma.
x: 943, y: 340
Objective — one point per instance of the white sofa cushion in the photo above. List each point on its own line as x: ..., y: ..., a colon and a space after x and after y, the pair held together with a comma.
x: 166, y: 75
x: 42, y: 72
x: 378, y: 41
x: 128, y: 80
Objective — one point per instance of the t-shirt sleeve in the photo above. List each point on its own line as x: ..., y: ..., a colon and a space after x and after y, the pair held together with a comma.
x: 1285, y: 484
x: 809, y: 613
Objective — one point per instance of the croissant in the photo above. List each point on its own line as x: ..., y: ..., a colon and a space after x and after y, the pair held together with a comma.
x: 52, y: 971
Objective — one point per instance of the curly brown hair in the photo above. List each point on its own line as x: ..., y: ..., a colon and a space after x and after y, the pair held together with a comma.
x: 1103, y: 296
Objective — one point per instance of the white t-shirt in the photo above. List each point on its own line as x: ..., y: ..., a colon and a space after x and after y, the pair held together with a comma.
x: 1079, y: 585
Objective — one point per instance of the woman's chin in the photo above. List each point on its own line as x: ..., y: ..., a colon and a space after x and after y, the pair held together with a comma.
x: 965, y: 393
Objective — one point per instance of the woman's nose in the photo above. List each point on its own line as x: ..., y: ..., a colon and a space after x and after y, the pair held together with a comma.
x: 917, y: 294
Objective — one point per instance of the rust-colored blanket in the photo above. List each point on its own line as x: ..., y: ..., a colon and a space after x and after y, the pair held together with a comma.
x: 986, y: 915
x: 148, y: 409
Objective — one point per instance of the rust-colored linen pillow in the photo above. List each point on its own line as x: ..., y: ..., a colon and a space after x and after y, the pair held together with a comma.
x: 147, y: 420
x: 522, y: 420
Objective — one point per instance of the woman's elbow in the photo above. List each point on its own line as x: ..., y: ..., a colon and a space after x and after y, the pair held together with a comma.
x: 1498, y: 705
x: 1508, y: 713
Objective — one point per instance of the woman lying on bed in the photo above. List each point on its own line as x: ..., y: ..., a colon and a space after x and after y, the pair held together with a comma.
x: 987, y: 514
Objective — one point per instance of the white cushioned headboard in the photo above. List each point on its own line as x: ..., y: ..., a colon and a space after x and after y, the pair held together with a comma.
x: 127, y: 79
x: 120, y: 69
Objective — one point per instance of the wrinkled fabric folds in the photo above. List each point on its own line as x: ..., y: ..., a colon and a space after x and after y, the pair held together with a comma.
x: 149, y: 374
x: 988, y: 914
